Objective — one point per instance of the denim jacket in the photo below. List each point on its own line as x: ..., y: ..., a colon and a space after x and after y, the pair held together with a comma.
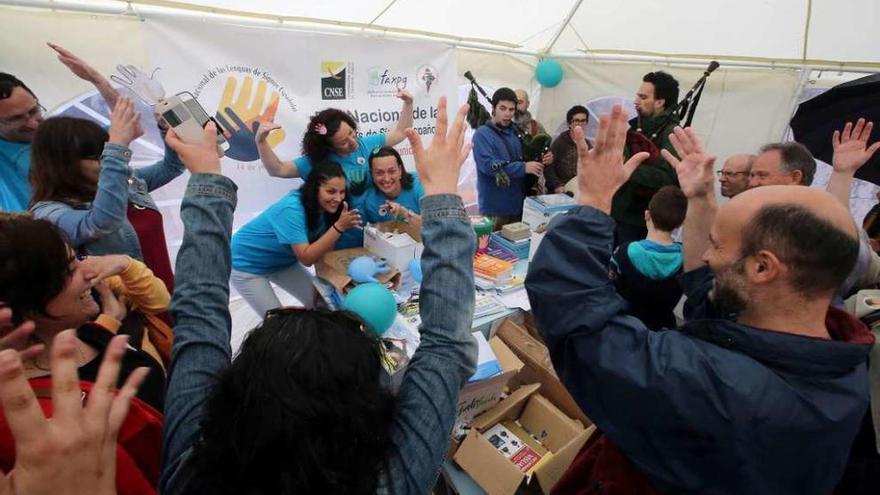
x: 101, y: 226
x: 427, y: 398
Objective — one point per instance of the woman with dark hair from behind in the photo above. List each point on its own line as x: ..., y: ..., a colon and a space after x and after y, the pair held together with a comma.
x: 297, y: 230
x: 83, y: 183
x: 301, y: 408
x: 332, y: 134
x: 396, y: 194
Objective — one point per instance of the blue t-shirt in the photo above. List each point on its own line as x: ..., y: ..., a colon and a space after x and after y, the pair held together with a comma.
x: 263, y: 245
x: 15, y: 162
x: 408, y: 198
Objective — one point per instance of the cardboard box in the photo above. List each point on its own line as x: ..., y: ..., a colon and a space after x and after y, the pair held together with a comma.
x: 396, y: 241
x: 558, y: 433
x: 477, y: 397
x: 537, y: 368
x: 539, y: 210
x: 333, y: 268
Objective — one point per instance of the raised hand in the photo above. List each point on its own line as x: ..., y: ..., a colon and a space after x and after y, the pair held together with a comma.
x: 75, y: 451
x: 76, y: 65
x: 601, y: 170
x: 264, y: 128
x: 98, y: 268
x: 851, y: 149
x: 348, y: 218
x: 111, y: 304
x: 405, y: 96
x: 125, y: 123
x: 696, y: 168
x: 439, y: 164
x: 200, y: 158
x: 16, y: 337
x: 241, y: 116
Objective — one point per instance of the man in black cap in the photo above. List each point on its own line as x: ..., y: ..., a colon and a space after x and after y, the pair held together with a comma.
x: 501, y: 169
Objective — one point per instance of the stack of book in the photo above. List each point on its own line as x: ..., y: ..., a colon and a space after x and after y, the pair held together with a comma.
x: 492, y: 269
x: 519, y: 248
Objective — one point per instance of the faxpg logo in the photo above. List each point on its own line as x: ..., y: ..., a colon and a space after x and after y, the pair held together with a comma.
x: 336, y: 80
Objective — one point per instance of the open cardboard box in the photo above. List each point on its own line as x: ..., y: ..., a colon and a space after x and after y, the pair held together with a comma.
x: 560, y: 434
x: 386, y: 239
x: 477, y: 397
x: 333, y: 267
x: 537, y: 368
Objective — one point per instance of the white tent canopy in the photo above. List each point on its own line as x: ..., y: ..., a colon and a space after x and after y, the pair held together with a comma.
x: 783, y: 32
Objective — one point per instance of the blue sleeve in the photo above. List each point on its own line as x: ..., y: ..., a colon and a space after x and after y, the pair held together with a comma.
x: 289, y: 222
x: 163, y: 171
x: 446, y: 357
x: 108, y: 211
x: 418, y: 192
x: 490, y: 157
x: 304, y: 165
x: 200, y: 307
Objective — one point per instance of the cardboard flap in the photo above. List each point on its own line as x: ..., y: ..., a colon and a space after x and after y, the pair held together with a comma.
x: 551, y: 471
x: 537, y: 369
x: 506, y: 358
x: 548, y: 424
x: 509, y: 408
x: 494, y: 473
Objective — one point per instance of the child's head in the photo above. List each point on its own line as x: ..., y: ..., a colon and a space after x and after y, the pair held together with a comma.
x: 667, y: 209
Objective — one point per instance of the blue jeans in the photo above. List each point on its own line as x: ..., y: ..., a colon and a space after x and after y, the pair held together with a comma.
x: 429, y: 393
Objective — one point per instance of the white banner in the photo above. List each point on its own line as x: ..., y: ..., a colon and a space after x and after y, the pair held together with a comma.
x: 242, y: 75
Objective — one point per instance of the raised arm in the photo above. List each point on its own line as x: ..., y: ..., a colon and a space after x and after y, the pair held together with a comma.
x: 309, y: 254
x: 447, y: 354
x: 274, y: 165
x: 201, y: 298
x: 851, y: 151
x: 398, y: 134
x: 696, y: 175
x: 86, y: 72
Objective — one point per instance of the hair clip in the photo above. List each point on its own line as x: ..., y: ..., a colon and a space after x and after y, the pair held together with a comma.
x: 320, y: 129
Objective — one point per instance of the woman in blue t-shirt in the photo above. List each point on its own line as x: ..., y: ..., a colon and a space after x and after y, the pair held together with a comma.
x: 332, y: 134
x: 396, y: 192
x: 295, y: 231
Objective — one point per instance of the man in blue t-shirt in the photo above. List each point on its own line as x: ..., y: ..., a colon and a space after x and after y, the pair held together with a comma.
x: 501, y: 169
x: 20, y: 115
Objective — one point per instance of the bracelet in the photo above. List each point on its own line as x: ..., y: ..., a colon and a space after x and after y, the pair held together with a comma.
x: 336, y: 228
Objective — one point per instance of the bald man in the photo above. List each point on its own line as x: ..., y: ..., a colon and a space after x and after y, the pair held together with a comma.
x: 523, y: 117
x: 762, y: 392
x: 734, y: 175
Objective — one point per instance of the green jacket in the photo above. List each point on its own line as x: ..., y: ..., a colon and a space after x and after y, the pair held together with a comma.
x: 632, y: 198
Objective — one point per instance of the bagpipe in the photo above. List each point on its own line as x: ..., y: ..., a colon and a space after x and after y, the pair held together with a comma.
x: 684, y: 112
x: 533, y: 147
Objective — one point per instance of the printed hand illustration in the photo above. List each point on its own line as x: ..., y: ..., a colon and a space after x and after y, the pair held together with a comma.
x: 241, y: 116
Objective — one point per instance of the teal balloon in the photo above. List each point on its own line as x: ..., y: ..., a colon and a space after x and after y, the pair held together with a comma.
x: 374, y: 304
x: 549, y: 72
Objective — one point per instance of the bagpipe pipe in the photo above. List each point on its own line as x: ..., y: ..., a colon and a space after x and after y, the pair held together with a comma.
x: 533, y: 147
x: 683, y: 111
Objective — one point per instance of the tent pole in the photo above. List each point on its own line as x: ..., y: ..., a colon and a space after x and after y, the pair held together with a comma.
x: 571, y: 13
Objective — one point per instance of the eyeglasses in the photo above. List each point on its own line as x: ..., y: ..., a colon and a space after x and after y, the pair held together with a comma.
x: 729, y: 174
x: 21, y: 118
x: 578, y: 121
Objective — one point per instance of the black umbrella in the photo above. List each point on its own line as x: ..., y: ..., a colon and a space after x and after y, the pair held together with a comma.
x: 817, y: 118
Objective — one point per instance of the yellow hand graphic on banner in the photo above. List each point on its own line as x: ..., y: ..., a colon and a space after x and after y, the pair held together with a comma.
x: 241, y: 115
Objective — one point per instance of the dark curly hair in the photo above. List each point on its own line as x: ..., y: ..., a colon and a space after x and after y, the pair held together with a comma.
x: 34, y: 264
x: 321, y: 173
x: 300, y: 410
x: 317, y: 146
x: 58, y: 146
x: 406, y: 178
